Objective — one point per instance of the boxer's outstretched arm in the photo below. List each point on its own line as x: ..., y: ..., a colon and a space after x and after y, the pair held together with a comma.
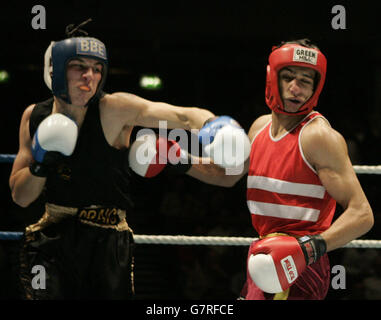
x: 206, y: 171
x: 138, y: 111
x: 326, y: 151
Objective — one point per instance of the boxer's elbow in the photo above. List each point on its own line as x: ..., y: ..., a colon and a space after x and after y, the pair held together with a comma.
x: 20, y: 199
x: 363, y: 219
x: 21, y: 196
x: 366, y: 218
x: 17, y: 195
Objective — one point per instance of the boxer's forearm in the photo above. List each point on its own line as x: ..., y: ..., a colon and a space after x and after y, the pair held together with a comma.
x: 195, y: 117
x: 206, y: 171
x: 25, y: 187
x: 137, y: 111
x: 188, y: 118
x: 353, y: 223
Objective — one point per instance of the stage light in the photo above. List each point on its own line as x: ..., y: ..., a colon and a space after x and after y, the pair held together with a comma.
x: 150, y: 82
x: 4, y: 76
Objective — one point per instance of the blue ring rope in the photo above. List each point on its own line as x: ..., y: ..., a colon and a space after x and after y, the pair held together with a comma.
x: 11, y: 235
x: 7, y: 158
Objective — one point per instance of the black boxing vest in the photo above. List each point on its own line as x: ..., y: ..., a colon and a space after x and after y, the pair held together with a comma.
x: 95, y: 174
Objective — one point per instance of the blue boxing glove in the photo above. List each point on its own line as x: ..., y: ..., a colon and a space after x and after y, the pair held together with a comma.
x: 225, y: 141
x: 55, y: 137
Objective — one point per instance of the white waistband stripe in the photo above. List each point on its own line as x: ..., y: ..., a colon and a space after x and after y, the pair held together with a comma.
x: 283, y: 211
x: 285, y: 187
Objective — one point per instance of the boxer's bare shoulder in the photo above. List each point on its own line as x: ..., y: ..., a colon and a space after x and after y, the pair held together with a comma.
x: 258, y: 124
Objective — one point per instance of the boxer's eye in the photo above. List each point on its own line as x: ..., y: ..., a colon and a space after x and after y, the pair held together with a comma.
x: 307, y: 81
x: 97, y: 69
x: 287, y: 77
x: 82, y: 67
x: 77, y: 66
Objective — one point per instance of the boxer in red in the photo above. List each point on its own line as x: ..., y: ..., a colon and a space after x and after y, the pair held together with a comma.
x: 298, y: 170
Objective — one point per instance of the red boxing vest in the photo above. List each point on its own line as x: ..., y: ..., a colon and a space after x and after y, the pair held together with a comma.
x: 284, y: 192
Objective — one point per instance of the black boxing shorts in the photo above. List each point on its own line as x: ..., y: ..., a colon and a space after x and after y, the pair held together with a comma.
x: 70, y: 259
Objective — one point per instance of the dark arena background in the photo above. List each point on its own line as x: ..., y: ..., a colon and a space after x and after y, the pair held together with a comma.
x: 208, y: 54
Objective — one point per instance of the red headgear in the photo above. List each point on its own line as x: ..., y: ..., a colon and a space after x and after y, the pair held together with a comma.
x: 292, y: 54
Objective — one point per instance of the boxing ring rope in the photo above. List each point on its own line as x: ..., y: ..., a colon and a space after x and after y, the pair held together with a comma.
x: 367, y: 169
x: 202, y: 240
x: 206, y: 240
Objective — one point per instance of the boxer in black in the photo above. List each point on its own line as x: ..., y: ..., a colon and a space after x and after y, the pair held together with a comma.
x: 73, y: 147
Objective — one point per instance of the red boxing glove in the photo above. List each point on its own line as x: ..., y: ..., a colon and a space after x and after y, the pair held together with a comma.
x: 275, y: 263
x: 149, y: 155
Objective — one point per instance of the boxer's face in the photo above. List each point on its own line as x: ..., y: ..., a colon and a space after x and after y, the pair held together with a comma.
x: 83, y: 77
x: 296, y: 86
